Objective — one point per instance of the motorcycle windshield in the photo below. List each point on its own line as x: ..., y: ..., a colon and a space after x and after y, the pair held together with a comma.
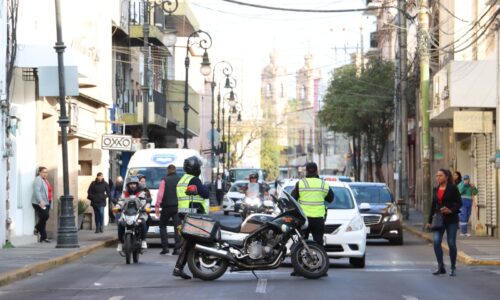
x: 253, y: 190
x: 131, y: 208
x: 292, y: 204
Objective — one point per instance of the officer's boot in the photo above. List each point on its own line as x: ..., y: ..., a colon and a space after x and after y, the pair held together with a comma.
x: 180, y: 273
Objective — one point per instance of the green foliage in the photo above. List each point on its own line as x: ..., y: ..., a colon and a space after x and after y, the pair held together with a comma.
x: 8, y: 245
x: 269, y: 156
x: 82, y: 206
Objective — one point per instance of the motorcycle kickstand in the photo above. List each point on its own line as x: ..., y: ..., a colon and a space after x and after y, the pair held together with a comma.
x: 256, y: 277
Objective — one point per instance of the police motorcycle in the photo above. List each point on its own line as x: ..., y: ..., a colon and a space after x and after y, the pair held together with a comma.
x: 254, y: 202
x: 263, y: 248
x: 130, y: 218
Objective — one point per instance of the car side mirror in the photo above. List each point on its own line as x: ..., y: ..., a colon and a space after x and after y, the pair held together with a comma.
x: 365, y: 206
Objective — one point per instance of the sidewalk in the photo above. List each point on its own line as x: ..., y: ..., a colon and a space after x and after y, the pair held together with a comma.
x: 24, y: 261
x: 471, y: 250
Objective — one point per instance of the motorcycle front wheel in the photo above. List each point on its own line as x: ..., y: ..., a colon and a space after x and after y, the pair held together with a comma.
x: 127, y: 248
x: 205, y: 266
x: 310, y: 264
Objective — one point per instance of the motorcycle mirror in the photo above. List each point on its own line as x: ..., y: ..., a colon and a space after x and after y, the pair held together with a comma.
x: 191, y: 190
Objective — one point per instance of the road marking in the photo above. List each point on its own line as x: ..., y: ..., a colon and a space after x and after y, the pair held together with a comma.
x: 97, y: 284
x: 261, y: 286
x: 116, y: 298
x: 406, y: 297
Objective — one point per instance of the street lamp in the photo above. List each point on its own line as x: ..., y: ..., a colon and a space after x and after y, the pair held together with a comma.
x: 168, y: 7
x: 230, y: 98
x: 227, y: 70
x: 236, y: 112
x: 66, y: 233
x: 204, y: 41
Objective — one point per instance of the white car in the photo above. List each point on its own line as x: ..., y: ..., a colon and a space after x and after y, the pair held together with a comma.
x: 345, y: 231
x: 232, y: 200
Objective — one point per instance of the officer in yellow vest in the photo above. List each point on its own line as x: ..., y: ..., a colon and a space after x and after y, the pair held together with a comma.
x: 192, y: 169
x: 312, y: 192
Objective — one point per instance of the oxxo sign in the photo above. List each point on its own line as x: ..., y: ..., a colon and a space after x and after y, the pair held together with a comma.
x: 116, y: 142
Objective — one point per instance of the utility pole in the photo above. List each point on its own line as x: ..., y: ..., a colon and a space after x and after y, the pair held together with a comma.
x: 423, y: 30
x: 402, y: 34
x: 146, y: 90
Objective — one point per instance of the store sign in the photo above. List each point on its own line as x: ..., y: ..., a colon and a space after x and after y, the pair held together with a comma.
x: 473, y: 122
x: 116, y: 142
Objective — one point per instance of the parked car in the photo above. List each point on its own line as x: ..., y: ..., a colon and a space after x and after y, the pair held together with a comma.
x: 345, y: 231
x: 232, y: 199
x: 381, y: 215
x: 332, y: 178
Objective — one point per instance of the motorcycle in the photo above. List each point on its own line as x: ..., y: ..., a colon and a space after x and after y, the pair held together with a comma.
x: 130, y: 219
x: 264, y: 248
x: 254, y: 202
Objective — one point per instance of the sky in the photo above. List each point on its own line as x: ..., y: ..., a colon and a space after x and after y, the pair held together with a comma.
x: 245, y: 37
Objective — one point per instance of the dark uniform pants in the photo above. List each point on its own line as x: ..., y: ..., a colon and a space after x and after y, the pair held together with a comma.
x: 317, y: 228
x: 167, y: 214
x: 182, y: 259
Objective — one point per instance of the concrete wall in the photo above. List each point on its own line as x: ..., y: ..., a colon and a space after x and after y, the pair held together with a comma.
x: 3, y: 166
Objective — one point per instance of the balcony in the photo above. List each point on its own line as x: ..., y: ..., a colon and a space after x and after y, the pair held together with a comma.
x: 463, y: 84
x: 133, y: 109
x: 175, y: 106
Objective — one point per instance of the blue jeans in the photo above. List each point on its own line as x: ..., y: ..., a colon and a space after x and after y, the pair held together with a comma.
x: 98, y: 216
x: 465, y: 212
x: 451, y: 236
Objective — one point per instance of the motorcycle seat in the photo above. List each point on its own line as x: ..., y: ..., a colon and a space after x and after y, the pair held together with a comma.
x: 231, y: 229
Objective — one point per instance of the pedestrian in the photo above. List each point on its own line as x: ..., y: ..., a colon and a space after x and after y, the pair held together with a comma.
x: 467, y: 191
x: 457, y: 177
x: 312, y: 192
x: 167, y: 207
x: 116, y: 192
x: 219, y: 191
x: 192, y: 169
x: 446, y: 200
x: 42, y: 202
x: 97, y: 193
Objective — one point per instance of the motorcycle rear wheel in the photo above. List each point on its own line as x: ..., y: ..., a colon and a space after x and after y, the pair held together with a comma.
x: 311, y: 265
x: 127, y: 248
x: 197, y: 259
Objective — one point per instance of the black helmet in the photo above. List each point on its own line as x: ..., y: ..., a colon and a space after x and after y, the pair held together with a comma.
x: 192, y: 166
x: 311, y: 168
x: 253, y: 175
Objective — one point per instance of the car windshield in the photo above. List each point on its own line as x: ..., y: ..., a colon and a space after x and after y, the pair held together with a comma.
x: 341, y: 199
x: 237, y: 186
x: 153, y: 175
x: 371, y: 194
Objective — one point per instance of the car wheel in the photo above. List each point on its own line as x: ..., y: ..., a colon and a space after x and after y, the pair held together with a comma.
x: 397, y: 241
x: 357, y: 262
x: 226, y: 213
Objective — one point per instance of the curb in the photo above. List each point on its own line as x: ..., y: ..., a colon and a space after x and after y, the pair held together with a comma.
x: 215, y: 208
x: 461, y: 256
x: 32, y: 269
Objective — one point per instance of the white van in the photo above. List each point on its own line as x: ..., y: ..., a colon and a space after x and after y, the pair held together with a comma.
x: 153, y: 164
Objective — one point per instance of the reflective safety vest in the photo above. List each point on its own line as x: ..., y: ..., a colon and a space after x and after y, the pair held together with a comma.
x: 312, y: 193
x: 184, y: 199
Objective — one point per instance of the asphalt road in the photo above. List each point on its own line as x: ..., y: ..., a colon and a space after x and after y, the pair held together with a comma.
x: 392, y: 272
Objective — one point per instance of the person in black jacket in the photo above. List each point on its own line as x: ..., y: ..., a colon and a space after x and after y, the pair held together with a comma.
x: 97, y: 193
x: 447, y: 201
x: 167, y: 200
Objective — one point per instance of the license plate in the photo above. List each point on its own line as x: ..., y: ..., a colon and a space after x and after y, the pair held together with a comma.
x: 187, y: 210
x: 368, y: 230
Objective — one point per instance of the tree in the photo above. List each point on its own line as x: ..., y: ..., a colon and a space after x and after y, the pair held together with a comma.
x: 361, y: 105
x: 245, y: 133
x: 270, y: 154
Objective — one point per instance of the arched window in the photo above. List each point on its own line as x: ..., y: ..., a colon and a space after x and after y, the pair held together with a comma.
x: 269, y: 90
x: 303, y: 93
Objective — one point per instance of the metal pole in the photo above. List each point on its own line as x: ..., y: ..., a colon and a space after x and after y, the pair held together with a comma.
x: 404, y: 104
x: 229, y: 141
x: 423, y: 17
x: 186, y: 104
x: 145, y: 87
x: 66, y: 233
x: 223, y: 139
x: 212, y: 135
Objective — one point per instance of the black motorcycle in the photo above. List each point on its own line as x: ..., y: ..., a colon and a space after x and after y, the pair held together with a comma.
x: 130, y: 219
x: 263, y: 249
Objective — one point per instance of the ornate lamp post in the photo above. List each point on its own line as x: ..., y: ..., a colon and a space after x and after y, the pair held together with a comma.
x: 204, y: 41
x: 233, y: 111
x: 66, y: 233
x: 232, y: 102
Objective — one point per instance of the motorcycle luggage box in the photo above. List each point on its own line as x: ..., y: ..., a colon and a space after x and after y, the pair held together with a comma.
x: 200, y: 228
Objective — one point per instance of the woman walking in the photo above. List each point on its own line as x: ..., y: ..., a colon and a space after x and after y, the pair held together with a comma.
x: 446, y: 201
x: 97, y: 193
x: 41, y: 202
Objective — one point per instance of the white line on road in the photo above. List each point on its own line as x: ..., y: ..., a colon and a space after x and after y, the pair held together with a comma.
x: 406, y: 297
x: 261, y: 286
x: 116, y: 298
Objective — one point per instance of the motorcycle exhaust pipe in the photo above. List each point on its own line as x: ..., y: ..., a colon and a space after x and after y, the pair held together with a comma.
x: 215, y: 252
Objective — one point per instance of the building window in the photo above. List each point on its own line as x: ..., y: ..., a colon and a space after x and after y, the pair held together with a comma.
x: 269, y: 90
x: 282, y: 91
x: 303, y: 93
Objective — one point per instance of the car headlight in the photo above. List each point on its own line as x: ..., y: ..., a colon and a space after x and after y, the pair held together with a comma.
x: 391, y: 218
x: 355, y: 224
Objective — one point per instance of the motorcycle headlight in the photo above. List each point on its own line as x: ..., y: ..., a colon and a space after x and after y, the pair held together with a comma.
x: 355, y: 224
x: 391, y: 218
x: 252, y: 201
x: 130, y: 221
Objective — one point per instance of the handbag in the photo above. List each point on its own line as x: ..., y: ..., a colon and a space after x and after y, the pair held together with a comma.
x: 437, y: 221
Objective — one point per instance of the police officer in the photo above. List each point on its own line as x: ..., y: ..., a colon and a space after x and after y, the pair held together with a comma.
x: 167, y: 200
x: 312, y: 192
x: 192, y: 169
